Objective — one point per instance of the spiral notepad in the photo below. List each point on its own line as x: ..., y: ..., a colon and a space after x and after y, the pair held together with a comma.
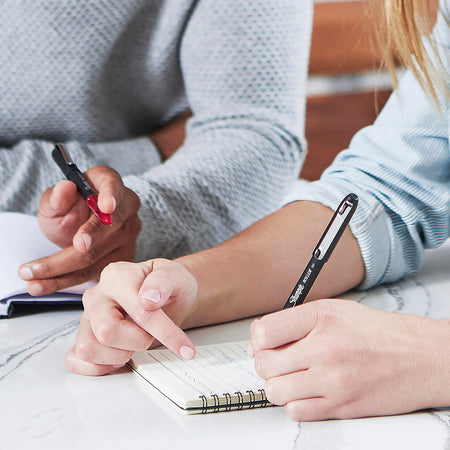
x: 221, y: 377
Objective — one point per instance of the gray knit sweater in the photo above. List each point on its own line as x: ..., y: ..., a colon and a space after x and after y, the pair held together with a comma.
x: 101, y: 75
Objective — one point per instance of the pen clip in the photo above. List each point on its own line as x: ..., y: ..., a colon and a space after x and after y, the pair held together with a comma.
x: 336, y: 227
x: 64, y: 154
x: 62, y: 158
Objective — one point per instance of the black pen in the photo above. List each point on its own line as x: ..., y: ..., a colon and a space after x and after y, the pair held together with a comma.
x: 72, y: 173
x: 323, y: 250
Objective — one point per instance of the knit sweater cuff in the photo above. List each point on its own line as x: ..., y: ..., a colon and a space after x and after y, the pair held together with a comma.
x: 157, y: 236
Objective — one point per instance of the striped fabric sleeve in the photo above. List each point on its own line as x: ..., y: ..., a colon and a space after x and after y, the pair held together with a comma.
x: 400, y: 169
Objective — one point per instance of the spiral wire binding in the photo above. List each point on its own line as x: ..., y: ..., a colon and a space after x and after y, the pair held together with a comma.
x: 204, y: 404
x: 240, y: 397
x: 264, y: 401
x: 216, y: 402
x: 251, y: 394
x: 227, y: 401
x: 229, y: 405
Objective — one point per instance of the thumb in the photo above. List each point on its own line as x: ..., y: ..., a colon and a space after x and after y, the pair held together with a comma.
x: 61, y: 212
x: 59, y: 200
x: 167, y: 281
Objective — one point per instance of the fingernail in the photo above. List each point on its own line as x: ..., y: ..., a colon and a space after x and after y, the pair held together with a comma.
x: 152, y: 295
x: 35, y: 289
x: 53, y: 200
x: 26, y: 273
x: 186, y: 352
x: 250, y: 351
x: 114, y: 203
x: 252, y: 325
x: 36, y: 268
x: 87, y: 240
x: 165, y: 293
x: 117, y: 366
x: 258, y: 334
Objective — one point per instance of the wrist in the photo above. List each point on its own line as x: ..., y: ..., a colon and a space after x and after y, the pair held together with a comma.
x: 443, y: 393
x: 169, y: 138
x: 434, y: 363
x: 218, y: 294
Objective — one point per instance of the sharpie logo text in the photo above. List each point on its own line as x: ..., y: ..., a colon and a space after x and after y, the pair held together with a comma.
x: 296, y: 294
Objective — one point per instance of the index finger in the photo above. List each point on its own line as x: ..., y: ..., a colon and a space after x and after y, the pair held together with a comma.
x: 126, y: 294
x: 109, y: 186
x: 164, y: 330
x: 286, y: 326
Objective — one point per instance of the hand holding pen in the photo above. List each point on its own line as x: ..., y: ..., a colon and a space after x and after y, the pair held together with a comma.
x: 62, y: 158
x: 71, y: 216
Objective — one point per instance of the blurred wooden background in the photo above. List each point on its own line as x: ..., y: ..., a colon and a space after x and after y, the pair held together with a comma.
x: 343, y: 52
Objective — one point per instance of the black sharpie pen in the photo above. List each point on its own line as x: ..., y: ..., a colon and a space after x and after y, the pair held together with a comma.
x: 72, y: 173
x: 323, y: 250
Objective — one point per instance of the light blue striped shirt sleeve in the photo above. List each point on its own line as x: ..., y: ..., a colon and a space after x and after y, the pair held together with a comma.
x: 400, y: 169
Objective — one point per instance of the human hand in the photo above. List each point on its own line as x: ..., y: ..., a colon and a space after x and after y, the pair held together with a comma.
x: 123, y: 313
x: 88, y: 244
x: 336, y: 359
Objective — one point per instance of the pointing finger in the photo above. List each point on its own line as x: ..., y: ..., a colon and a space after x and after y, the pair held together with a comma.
x: 156, y: 323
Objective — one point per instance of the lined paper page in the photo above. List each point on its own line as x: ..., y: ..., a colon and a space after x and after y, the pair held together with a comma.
x: 216, y: 369
x: 21, y: 240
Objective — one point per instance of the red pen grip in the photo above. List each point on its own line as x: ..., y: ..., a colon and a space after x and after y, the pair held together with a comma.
x: 92, y: 202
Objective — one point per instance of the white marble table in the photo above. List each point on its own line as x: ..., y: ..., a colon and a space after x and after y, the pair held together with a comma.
x: 42, y: 406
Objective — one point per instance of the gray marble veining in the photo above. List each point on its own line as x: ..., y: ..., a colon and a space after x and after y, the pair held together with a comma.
x: 42, y: 406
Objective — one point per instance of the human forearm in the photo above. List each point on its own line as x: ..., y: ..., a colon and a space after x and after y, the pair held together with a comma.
x: 250, y: 274
x: 404, y: 205
x: 27, y: 169
x: 433, y: 360
x: 138, y: 155
x: 245, y: 142
x: 86, y: 245
x: 216, y: 184
x: 255, y: 271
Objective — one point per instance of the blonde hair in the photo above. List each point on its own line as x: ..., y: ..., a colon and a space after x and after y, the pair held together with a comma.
x: 404, y: 36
